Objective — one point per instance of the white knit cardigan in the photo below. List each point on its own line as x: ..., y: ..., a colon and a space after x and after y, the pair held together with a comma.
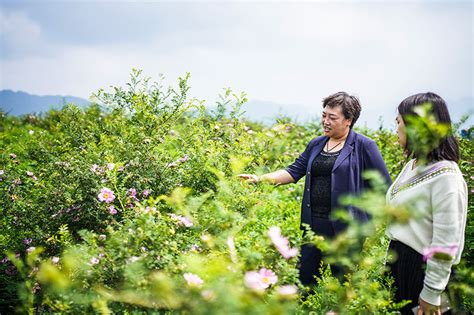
x: 437, y: 193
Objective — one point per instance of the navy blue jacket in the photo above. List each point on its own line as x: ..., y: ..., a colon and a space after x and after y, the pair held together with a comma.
x: 358, y: 155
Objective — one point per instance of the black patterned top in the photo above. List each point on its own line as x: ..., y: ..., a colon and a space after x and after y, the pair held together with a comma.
x: 321, y: 183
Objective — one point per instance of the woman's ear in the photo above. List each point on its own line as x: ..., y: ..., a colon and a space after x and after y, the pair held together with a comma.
x: 349, y: 122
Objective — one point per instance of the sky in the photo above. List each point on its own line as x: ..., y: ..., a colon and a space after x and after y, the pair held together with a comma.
x: 291, y: 54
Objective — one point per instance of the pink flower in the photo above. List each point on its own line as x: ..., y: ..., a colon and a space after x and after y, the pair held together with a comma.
x: 94, y: 261
x: 106, y: 195
x: 268, y: 276
x: 29, y: 250
x: 149, y: 209
x: 55, y: 260
x: 193, y: 280
x: 111, y: 166
x: 146, y: 192
x: 102, y: 237
x: 29, y: 173
x: 27, y: 241
x: 260, y: 280
x: 183, y: 159
x: 133, y: 193
x: 287, y: 291
x: 281, y: 243
x: 94, y: 168
x: 442, y: 253
x: 181, y: 220
x: 4, y: 260
x: 254, y: 281
x: 112, y: 210
x: 13, y: 155
x: 121, y: 168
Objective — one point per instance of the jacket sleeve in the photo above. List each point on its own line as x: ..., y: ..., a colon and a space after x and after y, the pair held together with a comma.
x: 373, y: 160
x: 298, y: 169
x: 449, y: 210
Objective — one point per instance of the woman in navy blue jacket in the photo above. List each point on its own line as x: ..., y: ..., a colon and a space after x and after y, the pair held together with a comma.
x: 333, y: 165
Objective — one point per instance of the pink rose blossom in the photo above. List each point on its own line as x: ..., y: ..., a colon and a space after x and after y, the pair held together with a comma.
x: 149, y: 209
x: 260, y: 280
x: 208, y: 295
x: 112, y: 210
x: 253, y: 281
x: 181, y: 220
x: 281, y: 243
x: 193, y: 280
x: 106, y: 195
x: 287, y: 291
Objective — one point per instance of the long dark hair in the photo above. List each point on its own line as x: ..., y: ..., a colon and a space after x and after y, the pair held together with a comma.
x: 448, y: 149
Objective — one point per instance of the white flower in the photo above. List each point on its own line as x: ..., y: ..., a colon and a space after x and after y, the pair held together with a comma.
x: 55, y: 260
x: 94, y: 261
x: 133, y: 259
x: 287, y: 291
x: 193, y: 280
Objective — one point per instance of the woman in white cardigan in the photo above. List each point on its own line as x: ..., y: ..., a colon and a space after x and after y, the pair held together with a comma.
x: 438, y: 193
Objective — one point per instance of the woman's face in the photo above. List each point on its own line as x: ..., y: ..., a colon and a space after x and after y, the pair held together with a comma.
x: 334, y: 123
x: 401, y: 133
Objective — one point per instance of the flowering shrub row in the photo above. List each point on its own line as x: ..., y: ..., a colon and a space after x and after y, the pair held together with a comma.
x: 134, y: 206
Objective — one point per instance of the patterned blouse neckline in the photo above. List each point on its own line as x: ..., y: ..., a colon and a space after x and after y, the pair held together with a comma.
x: 411, y: 177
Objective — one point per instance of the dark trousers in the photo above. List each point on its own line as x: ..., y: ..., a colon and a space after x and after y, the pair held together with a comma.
x: 408, y: 273
x: 311, y: 257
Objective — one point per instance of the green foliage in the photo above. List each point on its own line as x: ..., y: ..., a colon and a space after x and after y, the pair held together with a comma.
x: 180, y: 209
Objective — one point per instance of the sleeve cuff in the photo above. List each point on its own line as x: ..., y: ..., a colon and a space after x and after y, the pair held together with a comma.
x: 292, y: 174
x: 431, y: 296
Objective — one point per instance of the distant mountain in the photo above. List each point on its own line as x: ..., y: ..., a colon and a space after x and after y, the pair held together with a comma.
x: 20, y: 103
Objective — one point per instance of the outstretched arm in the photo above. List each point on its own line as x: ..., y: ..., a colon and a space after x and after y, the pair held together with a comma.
x: 280, y: 177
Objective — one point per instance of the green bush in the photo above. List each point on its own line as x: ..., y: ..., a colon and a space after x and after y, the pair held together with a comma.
x: 177, y: 208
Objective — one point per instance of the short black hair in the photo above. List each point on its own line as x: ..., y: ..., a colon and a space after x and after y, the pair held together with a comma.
x: 350, y: 105
x: 448, y: 149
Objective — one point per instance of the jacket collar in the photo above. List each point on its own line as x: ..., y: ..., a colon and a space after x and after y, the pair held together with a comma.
x: 346, y: 150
